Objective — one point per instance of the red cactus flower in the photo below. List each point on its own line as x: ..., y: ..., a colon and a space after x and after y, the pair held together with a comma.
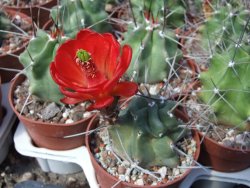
x: 90, y: 67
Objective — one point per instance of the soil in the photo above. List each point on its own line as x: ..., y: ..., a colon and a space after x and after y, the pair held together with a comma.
x: 229, y: 137
x: 38, y: 110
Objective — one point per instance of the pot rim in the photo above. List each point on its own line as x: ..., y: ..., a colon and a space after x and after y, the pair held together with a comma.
x: 219, y: 145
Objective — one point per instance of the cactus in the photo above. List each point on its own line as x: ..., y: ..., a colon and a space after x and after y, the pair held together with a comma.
x: 153, y: 40
x: 71, y: 16
x: 223, y: 25
x: 145, y: 130
x: 36, y: 59
x: 226, y: 86
x: 5, y: 25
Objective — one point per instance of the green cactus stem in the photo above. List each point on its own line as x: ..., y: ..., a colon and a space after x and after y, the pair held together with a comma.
x: 73, y: 15
x: 153, y: 39
x: 226, y: 86
x: 145, y: 131
x: 36, y: 60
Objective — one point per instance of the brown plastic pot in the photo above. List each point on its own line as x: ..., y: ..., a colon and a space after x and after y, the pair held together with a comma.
x: 50, y: 135
x: 221, y: 158
x: 37, y: 12
x: 106, y: 180
x: 11, y: 61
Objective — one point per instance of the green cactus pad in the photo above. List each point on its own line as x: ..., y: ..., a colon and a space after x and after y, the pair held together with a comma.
x: 36, y: 60
x: 73, y: 15
x: 145, y: 131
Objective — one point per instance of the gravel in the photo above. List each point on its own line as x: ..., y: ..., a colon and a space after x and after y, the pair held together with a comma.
x: 17, y: 168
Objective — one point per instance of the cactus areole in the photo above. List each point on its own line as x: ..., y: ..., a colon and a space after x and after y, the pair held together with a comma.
x: 90, y: 67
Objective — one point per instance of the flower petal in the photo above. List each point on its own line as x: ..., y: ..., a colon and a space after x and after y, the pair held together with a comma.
x: 113, y: 55
x: 125, y: 89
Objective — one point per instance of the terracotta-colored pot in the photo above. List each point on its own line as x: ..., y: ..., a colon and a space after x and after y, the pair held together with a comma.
x: 49, y: 135
x: 223, y: 158
x: 1, y: 112
x: 38, y: 12
x: 11, y: 61
x: 106, y: 180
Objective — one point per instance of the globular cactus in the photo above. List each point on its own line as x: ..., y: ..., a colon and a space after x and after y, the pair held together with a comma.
x: 144, y: 132
x: 36, y: 60
x: 71, y: 16
x: 153, y: 39
x: 5, y: 25
x: 226, y: 86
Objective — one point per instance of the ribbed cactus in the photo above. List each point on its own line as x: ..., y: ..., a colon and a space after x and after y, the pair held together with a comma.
x: 36, y: 59
x: 145, y: 131
x: 5, y: 25
x: 73, y: 15
x: 155, y: 46
x: 226, y: 86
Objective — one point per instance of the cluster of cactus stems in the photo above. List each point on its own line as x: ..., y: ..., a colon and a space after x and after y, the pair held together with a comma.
x: 143, y: 129
x: 225, y: 85
x: 151, y: 34
x: 71, y: 16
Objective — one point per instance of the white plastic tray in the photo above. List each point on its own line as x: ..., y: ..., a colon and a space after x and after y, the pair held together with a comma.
x: 81, y: 157
x: 7, y: 123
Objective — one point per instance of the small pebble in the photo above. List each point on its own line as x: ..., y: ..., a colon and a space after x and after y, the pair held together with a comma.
x: 139, y: 182
x: 163, y: 171
x: 68, y: 121
x: 121, y: 170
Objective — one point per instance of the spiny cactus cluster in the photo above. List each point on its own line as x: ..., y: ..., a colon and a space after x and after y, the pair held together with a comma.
x: 145, y: 131
x: 152, y: 37
x: 36, y: 60
x: 71, y: 16
x: 225, y: 86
